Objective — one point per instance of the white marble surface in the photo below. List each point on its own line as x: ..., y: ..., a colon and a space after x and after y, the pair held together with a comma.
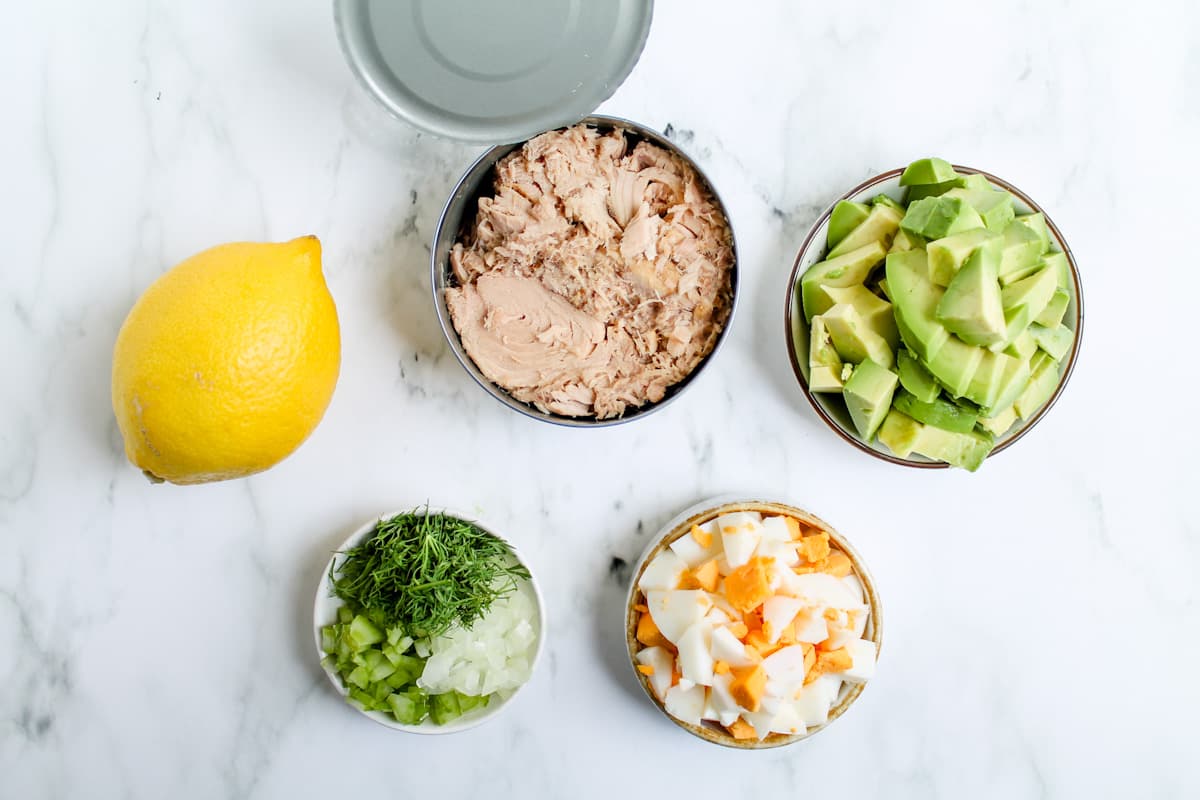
x: 1041, y: 615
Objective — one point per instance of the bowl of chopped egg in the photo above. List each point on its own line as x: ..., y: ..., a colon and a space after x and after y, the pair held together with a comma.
x: 752, y: 624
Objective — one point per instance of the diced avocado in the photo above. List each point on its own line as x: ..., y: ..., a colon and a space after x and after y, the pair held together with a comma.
x: 1058, y: 262
x: 854, y: 339
x: 1033, y: 292
x: 1042, y: 383
x: 966, y: 450
x: 938, y: 412
x: 1053, y: 313
x: 935, y: 217
x: 1020, y: 254
x: 845, y: 270
x: 846, y: 216
x: 900, y: 433
x: 1012, y: 382
x: 975, y: 182
x: 999, y: 424
x: 948, y: 254
x: 971, y: 306
x: 915, y: 378
x: 906, y: 241
x: 1037, y: 224
x: 954, y: 365
x: 1022, y: 346
x: 825, y: 366
x: 914, y: 300
x: 926, y: 171
x: 879, y: 227
x: 875, y: 311
x: 868, y: 396
x: 885, y: 200
x: 985, y: 383
x: 995, y: 208
x: 1016, y: 321
x: 1056, y: 341
x: 923, y: 190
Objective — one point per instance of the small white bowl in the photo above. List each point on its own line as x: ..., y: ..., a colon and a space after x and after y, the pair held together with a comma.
x: 326, y: 605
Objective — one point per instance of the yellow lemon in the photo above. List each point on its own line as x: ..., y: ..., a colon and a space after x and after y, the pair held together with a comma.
x: 227, y: 362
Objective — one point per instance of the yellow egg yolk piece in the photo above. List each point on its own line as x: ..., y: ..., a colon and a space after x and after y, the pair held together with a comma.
x: 740, y: 729
x: 707, y: 575
x: 702, y: 537
x: 646, y: 669
x: 838, y: 564
x: 747, y: 687
x: 649, y: 634
x: 749, y: 585
x: 814, y: 548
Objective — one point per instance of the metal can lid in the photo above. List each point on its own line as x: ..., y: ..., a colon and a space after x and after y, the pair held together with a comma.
x: 492, y: 71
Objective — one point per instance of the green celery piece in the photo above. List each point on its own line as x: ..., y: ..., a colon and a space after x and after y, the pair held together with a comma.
x: 360, y: 677
x: 329, y: 639
x: 444, y: 707
x: 468, y: 702
x: 362, y: 633
x: 410, y: 666
x: 406, y: 709
x: 398, y: 680
x: 394, y: 635
x: 345, y: 615
x: 362, y: 698
x: 382, y: 670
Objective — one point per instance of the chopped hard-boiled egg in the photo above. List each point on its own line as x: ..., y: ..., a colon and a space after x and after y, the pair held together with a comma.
x: 753, y: 624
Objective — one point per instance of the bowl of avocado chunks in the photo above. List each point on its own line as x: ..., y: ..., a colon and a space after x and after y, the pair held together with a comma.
x: 933, y: 315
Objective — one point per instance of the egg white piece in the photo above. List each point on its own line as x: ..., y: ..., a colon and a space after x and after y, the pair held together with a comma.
x: 815, y: 700
x: 864, y: 654
x: 663, y: 572
x: 739, y: 545
x: 727, y: 648
x: 786, y: 667
x: 695, y: 654
x: 811, y: 625
x: 684, y: 683
x: 775, y: 541
x: 846, y: 626
x: 761, y: 721
x: 855, y: 585
x: 819, y: 588
x: 686, y: 705
x: 787, y: 721
x: 717, y: 616
x: 676, y: 610
x: 784, y: 580
x: 688, y: 549
x: 721, y: 701
x: 663, y: 663
x: 720, y: 602
x: 777, y: 613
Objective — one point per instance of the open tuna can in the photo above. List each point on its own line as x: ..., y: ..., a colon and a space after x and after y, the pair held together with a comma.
x: 585, y: 277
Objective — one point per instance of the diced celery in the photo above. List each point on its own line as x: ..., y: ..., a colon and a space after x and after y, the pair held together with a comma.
x: 329, y: 639
x: 398, y: 679
x: 468, y: 702
x: 345, y: 614
x: 363, y: 699
x: 409, y: 708
x: 360, y: 677
x: 444, y: 707
x: 362, y: 633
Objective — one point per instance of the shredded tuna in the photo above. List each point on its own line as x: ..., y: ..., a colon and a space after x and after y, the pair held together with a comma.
x: 595, y: 278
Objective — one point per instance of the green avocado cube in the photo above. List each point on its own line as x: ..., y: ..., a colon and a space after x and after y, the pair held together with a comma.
x: 999, y: 424
x: 935, y: 217
x: 915, y: 378
x: 1021, y: 347
x: 915, y: 298
x: 1058, y: 262
x: 855, y: 340
x: 886, y: 200
x: 1020, y: 253
x: 874, y: 310
x: 868, y: 396
x: 971, y: 305
x: 900, y: 433
x: 927, y: 170
x: 1037, y: 224
x: 1033, y: 292
x: 955, y: 364
x: 879, y: 227
x: 966, y: 450
x: 1042, y: 383
x: 825, y: 365
x: 846, y: 216
x: 948, y: 254
x: 974, y: 182
x: 1053, y: 313
x: 995, y: 208
x: 847, y: 269
x: 1056, y: 341
x: 939, y: 413
x: 906, y: 241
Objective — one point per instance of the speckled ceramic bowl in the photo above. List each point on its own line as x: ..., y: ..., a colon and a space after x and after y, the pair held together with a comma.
x: 829, y: 406
x: 459, y: 215
x: 699, y: 514
x: 325, y: 609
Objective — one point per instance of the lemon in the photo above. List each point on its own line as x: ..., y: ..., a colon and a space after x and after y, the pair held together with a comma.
x: 227, y: 362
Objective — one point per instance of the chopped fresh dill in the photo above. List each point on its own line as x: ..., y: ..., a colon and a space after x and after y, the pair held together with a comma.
x: 425, y: 572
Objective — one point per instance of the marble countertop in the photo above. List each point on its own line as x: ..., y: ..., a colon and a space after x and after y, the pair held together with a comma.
x: 1042, y: 614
